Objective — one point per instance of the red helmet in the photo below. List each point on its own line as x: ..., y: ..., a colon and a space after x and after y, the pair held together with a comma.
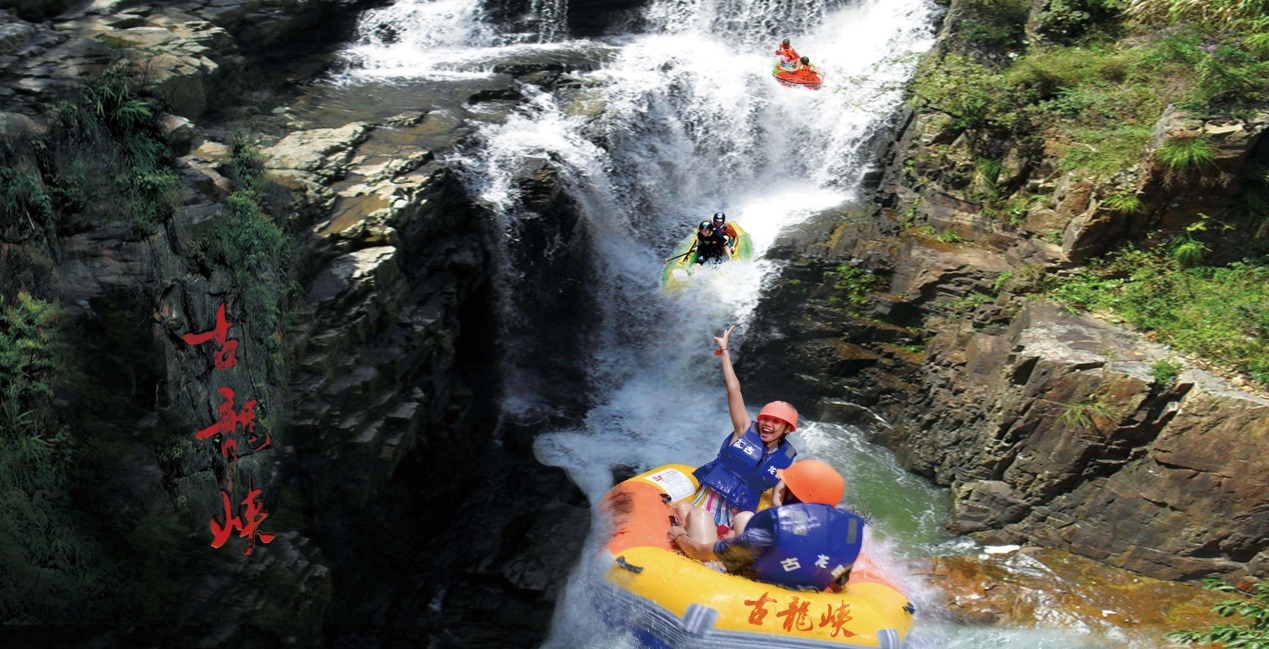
x: 783, y: 411
x: 814, y: 481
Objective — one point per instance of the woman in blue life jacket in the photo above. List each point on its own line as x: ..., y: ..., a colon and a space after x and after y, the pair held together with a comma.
x: 747, y: 463
x: 806, y: 543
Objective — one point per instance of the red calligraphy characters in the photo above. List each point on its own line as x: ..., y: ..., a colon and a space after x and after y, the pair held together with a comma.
x: 247, y: 524
x: 837, y: 618
x: 795, y: 615
x: 234, y: 428
x: 231, y: 421
x: 225, y: 355
x: 798, y: 618
x: 759, y: 612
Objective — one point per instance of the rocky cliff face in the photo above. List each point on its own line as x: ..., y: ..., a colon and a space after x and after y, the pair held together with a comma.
x: 379, y: 392
x: 1050, y: 428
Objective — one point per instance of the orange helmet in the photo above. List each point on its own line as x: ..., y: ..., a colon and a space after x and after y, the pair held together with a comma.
x: 814, y: 481
x: 782, y: 410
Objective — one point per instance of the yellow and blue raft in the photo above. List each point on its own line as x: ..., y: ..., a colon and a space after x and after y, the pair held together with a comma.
x: 669, y: 600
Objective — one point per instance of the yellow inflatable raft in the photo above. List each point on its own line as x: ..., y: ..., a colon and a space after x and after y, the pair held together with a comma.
x: 668, y: 600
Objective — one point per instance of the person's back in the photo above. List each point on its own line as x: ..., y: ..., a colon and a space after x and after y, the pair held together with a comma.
x: 805, y: 70
x: 814, y: 545
x: 805, y: 542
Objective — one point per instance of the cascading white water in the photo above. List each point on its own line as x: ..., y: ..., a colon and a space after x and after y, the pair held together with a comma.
x: 440, y: 38
x: 684, y: 121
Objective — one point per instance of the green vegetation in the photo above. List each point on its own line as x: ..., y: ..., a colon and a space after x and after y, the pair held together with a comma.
x: 854, y: 283
x: 1187, y: 251
x: 50, y: 569
x: 1086, y: 87
x: 1254, y: 608
x: 1220, y: 312
x: 104, y: 161
x: 247, y: 241
x: 1207, y: 11
x: 1184, y: 156
x: 1164, y: 372
x: 992, y: 23
x: 1123, y: 203
x: 68, y: 530
x: 970, y: 303
x: 1082, y: 413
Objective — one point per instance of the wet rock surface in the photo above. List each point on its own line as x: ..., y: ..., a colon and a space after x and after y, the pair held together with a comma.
x: 1041, y: 588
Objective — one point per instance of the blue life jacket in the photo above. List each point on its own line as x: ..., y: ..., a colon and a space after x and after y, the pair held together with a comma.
x: 742, y: 471
x: 814, y: 545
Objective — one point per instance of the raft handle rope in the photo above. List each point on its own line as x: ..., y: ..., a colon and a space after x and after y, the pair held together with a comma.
x: 909, y: 608
x: 621, y: 561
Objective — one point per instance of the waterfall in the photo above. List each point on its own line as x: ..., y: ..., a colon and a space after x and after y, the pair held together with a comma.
x: 550, y: 17
x: 412, y: 38
x: 681, y: 121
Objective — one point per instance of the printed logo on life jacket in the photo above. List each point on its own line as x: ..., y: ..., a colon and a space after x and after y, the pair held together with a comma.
x: 798, y: 522
x: 748, y: 448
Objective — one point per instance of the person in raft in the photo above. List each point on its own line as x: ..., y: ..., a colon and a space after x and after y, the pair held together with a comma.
x: 806, y: 543
x: 747, y: 463
x: 806, y: 71
x: 788, y: 56
x: 726, y: 229
x: 710, y: 243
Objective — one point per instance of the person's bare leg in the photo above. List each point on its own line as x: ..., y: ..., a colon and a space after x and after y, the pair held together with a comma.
x: 681, y: 510
x: 740, y: 520
x: 700, y: 526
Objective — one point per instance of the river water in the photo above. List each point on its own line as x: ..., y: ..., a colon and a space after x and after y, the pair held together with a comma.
x: 683, y: 120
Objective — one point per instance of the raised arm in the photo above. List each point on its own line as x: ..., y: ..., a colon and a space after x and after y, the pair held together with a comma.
x: 735, y: 402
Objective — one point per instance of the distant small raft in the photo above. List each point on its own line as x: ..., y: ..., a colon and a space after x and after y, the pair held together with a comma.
x: 806, y: 77
x: 680, y: 268
x: 669, y: 600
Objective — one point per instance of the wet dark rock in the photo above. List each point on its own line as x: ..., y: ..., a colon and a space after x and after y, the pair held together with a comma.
x: 501, y: 94
x: 37, y: 9
x: 405, y: 508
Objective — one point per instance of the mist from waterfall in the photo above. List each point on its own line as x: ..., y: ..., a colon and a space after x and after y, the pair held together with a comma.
x: 682, y: 121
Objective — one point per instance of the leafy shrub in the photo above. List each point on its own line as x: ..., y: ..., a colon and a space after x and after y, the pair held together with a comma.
x: 1253, y: 608
x: 1187, y: 250
x: 24, y: 205
x: 1231, y: 74
x: 251, y: 245
x: 855, y: 283
x: 1067, y: 20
